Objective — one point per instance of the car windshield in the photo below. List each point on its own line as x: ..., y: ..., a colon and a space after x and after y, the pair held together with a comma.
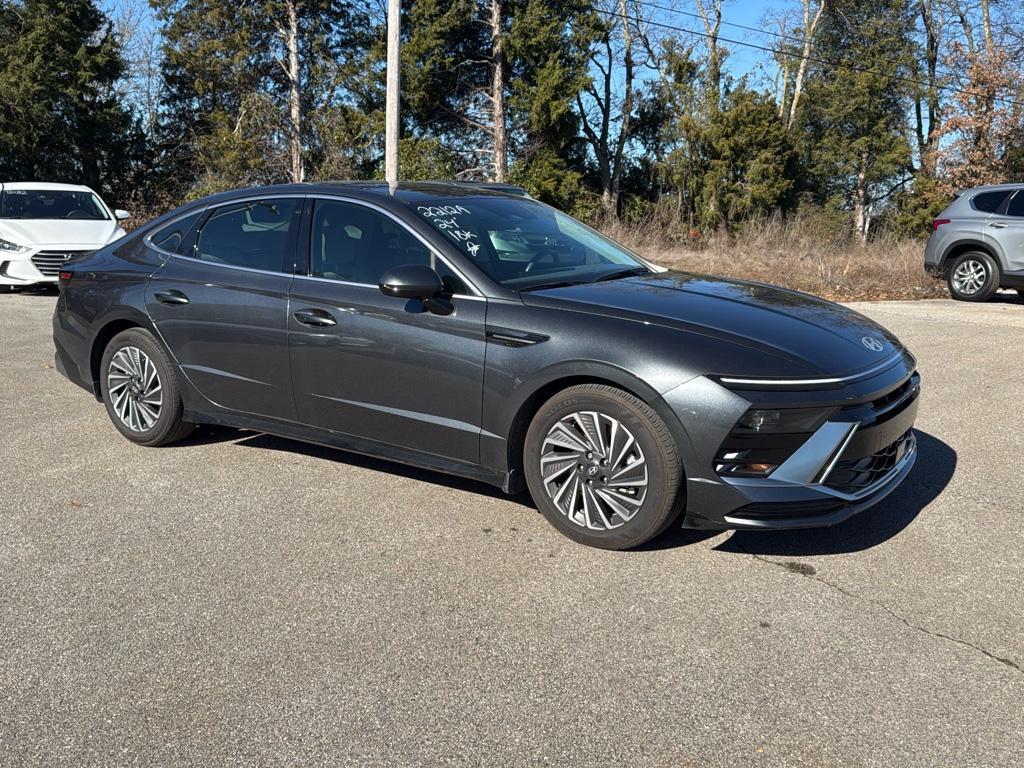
x: 51, y: 204
x: 523, y: 244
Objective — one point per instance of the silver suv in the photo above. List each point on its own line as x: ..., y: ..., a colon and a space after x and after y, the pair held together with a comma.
x: 977, y: 243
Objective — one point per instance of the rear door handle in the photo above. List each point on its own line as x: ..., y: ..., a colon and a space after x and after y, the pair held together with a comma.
x: 316, y: 318
x: 997, y: 225
x: 171, y: 297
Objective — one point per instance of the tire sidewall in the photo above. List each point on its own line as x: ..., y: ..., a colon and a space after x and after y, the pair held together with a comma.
x: 991, y: 283
x: 169, y: 418
x: 650, y: 520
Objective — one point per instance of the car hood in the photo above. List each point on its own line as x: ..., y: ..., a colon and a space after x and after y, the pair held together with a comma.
x: 67, y: 232
x: 807, y: 336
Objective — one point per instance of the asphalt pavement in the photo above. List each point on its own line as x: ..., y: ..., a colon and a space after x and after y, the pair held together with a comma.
x: 241, y: 599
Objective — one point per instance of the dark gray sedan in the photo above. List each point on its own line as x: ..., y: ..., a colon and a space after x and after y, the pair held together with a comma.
x: 471, y: 330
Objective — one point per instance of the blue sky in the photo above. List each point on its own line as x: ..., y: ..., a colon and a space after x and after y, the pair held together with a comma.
x: 749, y: 13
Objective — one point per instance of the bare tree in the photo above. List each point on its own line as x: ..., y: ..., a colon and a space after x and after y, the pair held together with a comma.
x: 499, y: 128
x: 711, y: 15
x: 136, y: 30
x: 931, y: 24
x: 606, y: 101
x: 288, y: 31
x: 810, y: 24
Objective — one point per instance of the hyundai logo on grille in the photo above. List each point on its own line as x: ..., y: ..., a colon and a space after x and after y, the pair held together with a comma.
x: 872, y: 343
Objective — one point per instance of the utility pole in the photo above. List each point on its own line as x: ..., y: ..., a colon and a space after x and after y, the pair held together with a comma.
x: 391, y: 103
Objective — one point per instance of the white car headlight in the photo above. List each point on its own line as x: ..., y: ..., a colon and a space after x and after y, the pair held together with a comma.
x: 7, y: 245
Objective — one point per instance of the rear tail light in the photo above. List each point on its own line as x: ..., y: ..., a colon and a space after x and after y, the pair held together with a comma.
x: 938, y: 223
x: 64, y: 277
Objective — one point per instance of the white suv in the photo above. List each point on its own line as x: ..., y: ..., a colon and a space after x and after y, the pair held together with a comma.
x: 44, y: 225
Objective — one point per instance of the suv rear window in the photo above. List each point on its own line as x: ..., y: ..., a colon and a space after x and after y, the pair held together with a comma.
x: 989, y: 202
x: 1016, y: 207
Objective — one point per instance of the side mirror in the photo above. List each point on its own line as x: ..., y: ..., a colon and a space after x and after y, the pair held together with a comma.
x: 411, y: 281
x: 120, y: 214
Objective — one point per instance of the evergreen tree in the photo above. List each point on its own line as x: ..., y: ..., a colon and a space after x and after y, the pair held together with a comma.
x: 63, y: 119
x: 855, y: 114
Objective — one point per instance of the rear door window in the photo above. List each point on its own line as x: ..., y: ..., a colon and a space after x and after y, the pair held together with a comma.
x: 1016, y: 207
x: 173, y: 236
x: 989, y: 202
x: 258, y: 234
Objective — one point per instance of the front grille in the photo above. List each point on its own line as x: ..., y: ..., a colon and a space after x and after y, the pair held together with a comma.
x: 854, y: 475
x: 50, y: 262
x: 885, y: 407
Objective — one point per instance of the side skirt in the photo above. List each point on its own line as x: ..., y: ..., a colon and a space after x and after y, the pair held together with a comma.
x: 363, y: 446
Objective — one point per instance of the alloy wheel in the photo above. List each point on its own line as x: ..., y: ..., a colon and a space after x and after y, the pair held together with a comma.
x: 593, y: 469
x: 969, y: 276
x: 135, y: 389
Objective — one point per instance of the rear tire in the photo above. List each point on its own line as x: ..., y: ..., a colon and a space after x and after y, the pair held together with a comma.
x: 603, y: 467
x: 141, y: 391
x: 973, y: 276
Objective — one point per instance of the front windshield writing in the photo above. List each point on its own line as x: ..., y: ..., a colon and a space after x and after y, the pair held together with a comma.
x: 521, y: 243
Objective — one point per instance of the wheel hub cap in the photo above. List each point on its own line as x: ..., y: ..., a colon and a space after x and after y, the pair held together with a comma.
x: 594, y: 471
x: 135, y: 390
x: 969, y: 276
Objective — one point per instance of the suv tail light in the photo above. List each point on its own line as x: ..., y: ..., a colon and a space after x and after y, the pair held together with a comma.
x: 938, y: 223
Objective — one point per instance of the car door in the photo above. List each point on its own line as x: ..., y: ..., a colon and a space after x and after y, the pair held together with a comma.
x: 222, y: 307
x: 375, y: 366
x: 1008, y: 230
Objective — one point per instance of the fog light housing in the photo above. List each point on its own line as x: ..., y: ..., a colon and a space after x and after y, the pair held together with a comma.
x: 739, y: 464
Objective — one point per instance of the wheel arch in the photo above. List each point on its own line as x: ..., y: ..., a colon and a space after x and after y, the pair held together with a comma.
x: 570, y: 375
x: 967, y: 246
x: 107, y: 329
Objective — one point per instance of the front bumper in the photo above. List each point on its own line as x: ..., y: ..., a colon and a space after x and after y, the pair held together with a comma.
x: 850, y: 463
x: 41, y: 265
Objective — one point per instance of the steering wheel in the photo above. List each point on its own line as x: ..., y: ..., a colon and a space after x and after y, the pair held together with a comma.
x: 76, y: 214
x: 540, y: 256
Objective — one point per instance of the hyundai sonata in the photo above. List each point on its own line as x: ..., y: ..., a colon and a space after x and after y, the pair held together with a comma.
x: 471, y: 330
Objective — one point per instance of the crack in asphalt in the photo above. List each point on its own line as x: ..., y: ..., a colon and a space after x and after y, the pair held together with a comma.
x: 809, y: 572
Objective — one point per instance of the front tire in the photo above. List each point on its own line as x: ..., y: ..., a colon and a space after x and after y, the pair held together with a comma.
x: 973, y: 276
x: 141, y: 391
x: 603, y: 467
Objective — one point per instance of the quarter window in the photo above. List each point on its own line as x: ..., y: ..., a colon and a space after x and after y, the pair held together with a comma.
x: 1016, y: 207
x: 171, y: 237
x: 989, y: 202
x: 255, y: 235
x: 357, y: 244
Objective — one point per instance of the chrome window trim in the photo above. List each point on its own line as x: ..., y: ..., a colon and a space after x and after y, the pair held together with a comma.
x: 248, y: 199
x: 477, y: 293
x: 350, y: 284
x: 882, y: 366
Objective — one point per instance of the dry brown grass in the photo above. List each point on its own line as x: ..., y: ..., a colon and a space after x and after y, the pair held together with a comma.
x: 795, y: 256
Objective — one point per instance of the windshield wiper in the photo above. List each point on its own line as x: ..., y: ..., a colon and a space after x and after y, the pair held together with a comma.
x: 545, y: 286
x: 620, y: 273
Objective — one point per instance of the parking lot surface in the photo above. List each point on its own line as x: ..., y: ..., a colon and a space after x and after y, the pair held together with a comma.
x: 241, y: 599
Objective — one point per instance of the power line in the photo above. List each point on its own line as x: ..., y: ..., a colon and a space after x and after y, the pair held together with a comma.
x: 756, y: 30
x: 816, y: 59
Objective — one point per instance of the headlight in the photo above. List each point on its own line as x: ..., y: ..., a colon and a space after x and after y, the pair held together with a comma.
x: 7, y: 245
x: 784, y: 420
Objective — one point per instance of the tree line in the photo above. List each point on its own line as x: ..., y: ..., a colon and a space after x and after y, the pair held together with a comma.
x: 866, y: 114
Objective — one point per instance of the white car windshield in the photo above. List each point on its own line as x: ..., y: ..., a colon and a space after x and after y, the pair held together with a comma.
x: 51, y: 204
x: 525, y: 245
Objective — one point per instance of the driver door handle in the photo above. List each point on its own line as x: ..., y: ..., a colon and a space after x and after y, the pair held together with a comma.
x: 315, y: 318
x: 171, y: 297
x: 997, y: 225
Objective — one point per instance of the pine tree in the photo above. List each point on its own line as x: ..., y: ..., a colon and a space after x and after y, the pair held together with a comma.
x: 857, y: 101
x: 62, y: 118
